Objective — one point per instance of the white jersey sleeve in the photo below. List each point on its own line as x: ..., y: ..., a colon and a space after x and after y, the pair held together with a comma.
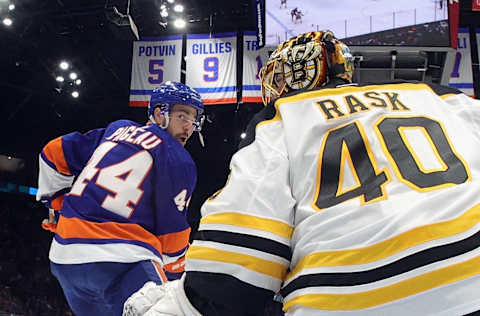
x: 246, y: 228
x: 375, y: 190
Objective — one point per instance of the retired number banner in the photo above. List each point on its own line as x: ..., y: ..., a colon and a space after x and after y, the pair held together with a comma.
x: 461, y: 76
x: 212, y: 66
x: 154, y: 60
x: 253, y: 60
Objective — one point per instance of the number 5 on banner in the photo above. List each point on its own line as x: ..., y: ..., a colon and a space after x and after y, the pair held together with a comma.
x: 155, y: 69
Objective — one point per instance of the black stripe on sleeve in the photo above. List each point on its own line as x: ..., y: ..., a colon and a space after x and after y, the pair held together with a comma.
x: 403, y: 265
x: 267, y: 113
x: 442, y: 90
x: 247, y: 241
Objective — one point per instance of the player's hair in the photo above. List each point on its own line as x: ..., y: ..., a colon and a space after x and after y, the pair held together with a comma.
x: 306, y: 61
x: 170, y: 93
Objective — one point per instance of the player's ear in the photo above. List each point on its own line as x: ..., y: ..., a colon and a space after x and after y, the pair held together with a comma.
x: 158, y: 116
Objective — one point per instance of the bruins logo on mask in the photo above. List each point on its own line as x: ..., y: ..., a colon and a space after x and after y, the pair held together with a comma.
x: 304, y: 62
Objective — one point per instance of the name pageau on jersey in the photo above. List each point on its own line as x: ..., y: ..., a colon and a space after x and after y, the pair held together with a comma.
x: 128, y: 201
x: 358, y: 200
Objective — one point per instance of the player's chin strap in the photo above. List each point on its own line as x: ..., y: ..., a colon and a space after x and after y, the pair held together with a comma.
x: 200, y: 138
x: 167, y: 120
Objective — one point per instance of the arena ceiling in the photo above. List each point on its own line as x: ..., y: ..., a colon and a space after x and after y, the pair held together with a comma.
x: 33, y: 110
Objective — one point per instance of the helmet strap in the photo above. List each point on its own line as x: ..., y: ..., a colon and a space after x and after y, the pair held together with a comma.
x: 165, y: 115
x: 167, y: 120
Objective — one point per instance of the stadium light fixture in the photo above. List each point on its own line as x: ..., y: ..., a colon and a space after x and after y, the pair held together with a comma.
x: 7, y: 21
x: 179, y: 23
x: 178, y: 8
x: 64, y: 65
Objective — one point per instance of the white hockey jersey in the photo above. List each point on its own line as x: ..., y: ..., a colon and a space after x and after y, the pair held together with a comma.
x: 357, y: 200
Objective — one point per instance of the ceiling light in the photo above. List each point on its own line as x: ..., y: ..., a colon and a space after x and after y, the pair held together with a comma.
x: 179, y: 23
x: 64, y: 65
x: 164, y: 13
x: 243, y: 135
x: 60, y: 79
x: 178, y: 8
x: 11, y: 6
x: 163, y: 7
x: 75, y: 94
x: 73, y: 75
x: 78, y: 82
x: 7, y: 21
x: 170, y: 1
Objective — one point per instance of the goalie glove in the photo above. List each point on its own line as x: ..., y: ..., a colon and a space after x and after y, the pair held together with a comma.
x: 160, y: 300
x: 50, y: 223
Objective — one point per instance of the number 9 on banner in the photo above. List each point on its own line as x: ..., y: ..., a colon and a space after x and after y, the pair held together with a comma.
x: 210, y: 65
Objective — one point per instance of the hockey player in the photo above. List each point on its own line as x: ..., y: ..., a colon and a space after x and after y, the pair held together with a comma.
x: 351, y: 199
x: 121, y: 193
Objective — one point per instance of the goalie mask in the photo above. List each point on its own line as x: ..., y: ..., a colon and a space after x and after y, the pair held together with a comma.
x: 306, y: 61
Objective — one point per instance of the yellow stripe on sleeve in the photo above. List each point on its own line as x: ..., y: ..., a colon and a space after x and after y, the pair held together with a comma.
x: 390, y: 246
x: 250, y: 221
x: 256, y: 264
x: 390, y: 293
x: 448, y: 95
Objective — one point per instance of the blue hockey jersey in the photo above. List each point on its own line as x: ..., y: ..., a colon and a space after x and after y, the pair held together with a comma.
x: 123, y: 192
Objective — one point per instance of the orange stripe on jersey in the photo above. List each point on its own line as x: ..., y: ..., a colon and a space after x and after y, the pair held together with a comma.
x: 57, y: 203
x: 159, y: 270
x: 176, y: 267
x: 78, y: 228
x: 175, y: 242
x: 54, y: 152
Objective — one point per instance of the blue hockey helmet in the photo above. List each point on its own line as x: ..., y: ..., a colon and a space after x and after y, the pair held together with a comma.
x: 170, y: 93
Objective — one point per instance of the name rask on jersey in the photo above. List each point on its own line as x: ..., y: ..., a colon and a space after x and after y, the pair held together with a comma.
x: 367, y: 101
x: 135, y: 135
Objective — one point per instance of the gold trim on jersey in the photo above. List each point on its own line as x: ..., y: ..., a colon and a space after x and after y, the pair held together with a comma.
x: 394, y: 164
x: 448, y: 95
x: 277, y: 117
x: 383, y: 295
x: 249, y: 221
x: 345, y: 159
x: 346, y: 153
x: 391, y: 246
x: 267, y: 267
x: 351, y: 89
x: 418, y: 161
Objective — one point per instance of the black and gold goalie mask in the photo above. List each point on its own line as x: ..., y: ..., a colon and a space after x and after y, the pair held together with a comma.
x: 306, y: 61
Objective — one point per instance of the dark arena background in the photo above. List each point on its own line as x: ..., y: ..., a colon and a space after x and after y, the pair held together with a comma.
x: 97, y: 38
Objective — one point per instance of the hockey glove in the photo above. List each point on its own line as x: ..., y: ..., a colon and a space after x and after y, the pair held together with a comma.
x: 160, y: 300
